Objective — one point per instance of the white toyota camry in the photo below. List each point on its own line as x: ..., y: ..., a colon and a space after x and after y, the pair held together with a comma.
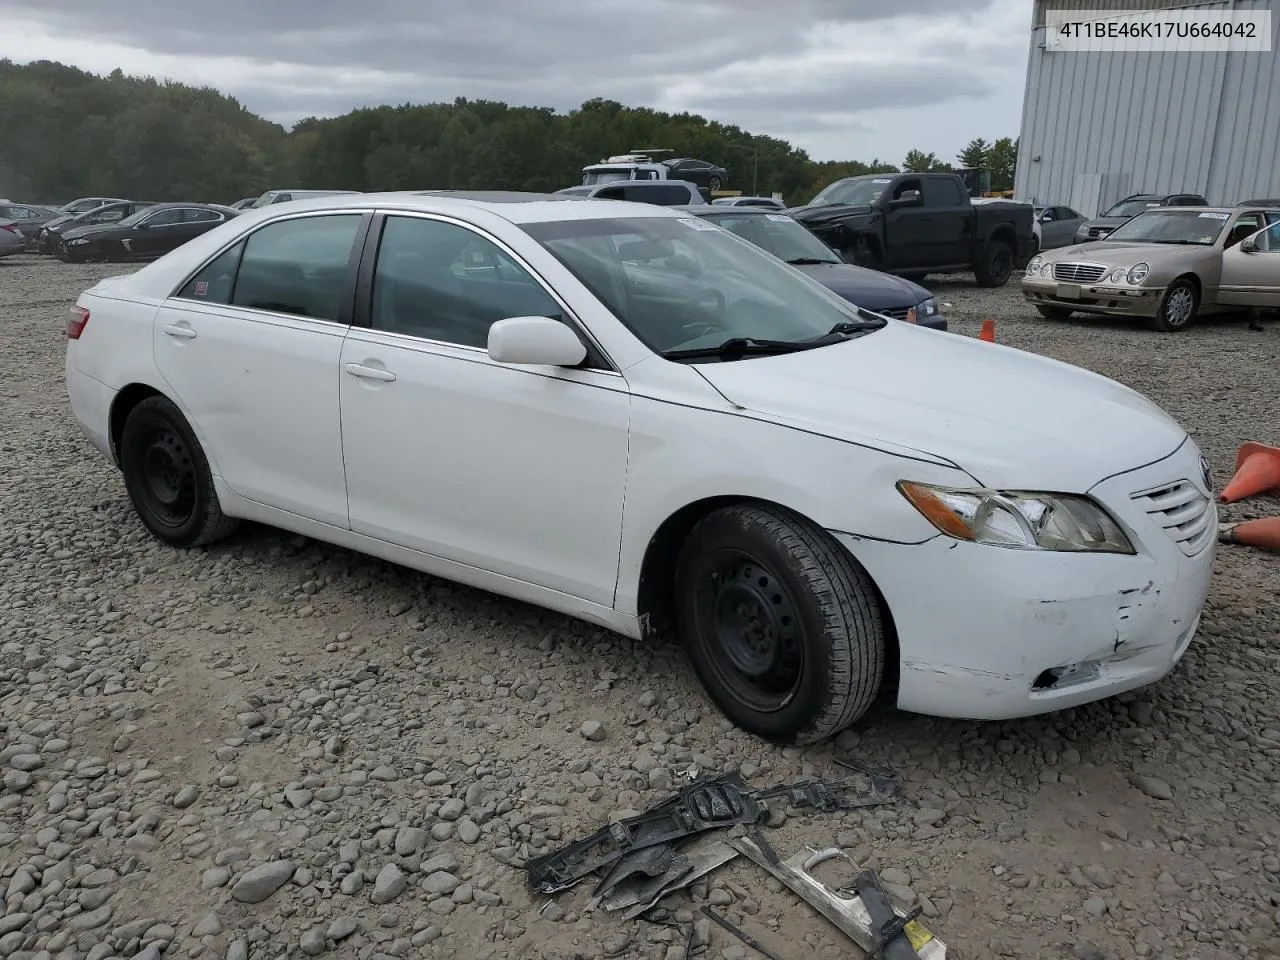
x: 634, y: 417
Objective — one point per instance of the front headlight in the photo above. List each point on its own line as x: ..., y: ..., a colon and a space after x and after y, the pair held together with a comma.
x: 1034, y: 266
x: 1118, y: 275
x: 927, y: 308
x: 1019, y: 520
x: 1138, y: 272
x: 76, y: 242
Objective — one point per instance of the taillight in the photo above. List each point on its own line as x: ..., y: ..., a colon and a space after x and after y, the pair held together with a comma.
x: 77, y: 317
x: 10, y: 227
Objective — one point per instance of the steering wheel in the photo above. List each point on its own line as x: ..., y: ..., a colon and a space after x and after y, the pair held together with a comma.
x: 706, y: 295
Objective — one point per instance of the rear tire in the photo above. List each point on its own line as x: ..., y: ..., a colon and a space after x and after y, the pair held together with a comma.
x: 783, y: 626
x: 714, y: 183
x: 995, y: 266
x: 1178, y: 308
x: 168, y: 477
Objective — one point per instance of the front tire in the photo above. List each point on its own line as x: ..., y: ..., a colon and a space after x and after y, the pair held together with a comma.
x: 782, y: 625
x: 714, y: 183
x: 1178, y: 307
x: 1054, y: 313
x: 168, y: 477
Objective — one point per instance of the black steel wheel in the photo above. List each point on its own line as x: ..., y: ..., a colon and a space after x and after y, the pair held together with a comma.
x: 168, y: 477
x: 782, y: 625
x: 996, y: 265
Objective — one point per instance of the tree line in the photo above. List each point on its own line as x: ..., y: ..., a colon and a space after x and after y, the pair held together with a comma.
x: 70, y: 133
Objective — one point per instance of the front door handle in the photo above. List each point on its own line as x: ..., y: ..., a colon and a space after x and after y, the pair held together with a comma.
x: 369, y: 373
x: 180, y: 331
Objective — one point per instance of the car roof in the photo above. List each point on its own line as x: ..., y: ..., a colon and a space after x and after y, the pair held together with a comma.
x: 1202, y: 209
x: 512, y: 206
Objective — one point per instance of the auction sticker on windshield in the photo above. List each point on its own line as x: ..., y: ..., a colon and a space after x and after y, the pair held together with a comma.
x: 882, y: 181
x: 777, y: 217
x: 696, y: 224
x: 1215, y: 216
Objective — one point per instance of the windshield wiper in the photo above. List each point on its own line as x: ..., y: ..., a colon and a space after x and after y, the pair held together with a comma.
x: 741, y: 347
x: 845, y: 327
x: 807, y: 261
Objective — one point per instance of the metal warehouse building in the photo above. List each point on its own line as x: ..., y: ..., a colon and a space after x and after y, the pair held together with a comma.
x: 1097, y: 127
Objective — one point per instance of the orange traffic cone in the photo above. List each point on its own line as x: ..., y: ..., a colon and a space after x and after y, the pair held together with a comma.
x: 1254, y: 533
x: 988, y: 332
x: 1257, y: 471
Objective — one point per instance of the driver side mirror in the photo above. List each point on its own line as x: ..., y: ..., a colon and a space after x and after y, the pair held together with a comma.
x: 537, y: 341
x: 1248, y: 245
x: 908, y: 198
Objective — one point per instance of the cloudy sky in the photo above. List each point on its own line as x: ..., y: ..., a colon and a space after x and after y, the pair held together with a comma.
x: 844, y: 79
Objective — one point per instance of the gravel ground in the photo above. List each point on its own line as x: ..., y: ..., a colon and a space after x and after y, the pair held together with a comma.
x: 277, y: 748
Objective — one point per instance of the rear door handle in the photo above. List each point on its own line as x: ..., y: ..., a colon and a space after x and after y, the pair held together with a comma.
x: 180, y: 331
x: 369, y: 373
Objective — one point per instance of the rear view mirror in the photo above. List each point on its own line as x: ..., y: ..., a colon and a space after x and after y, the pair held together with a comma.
x: 1249, y: 245
x: 538, y: 341
x: 641, y: 250
x: 908, y: 198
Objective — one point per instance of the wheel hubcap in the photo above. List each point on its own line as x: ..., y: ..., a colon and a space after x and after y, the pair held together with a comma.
x: 169, y: 477
x: 752, y: 624
x: 1178, y: 309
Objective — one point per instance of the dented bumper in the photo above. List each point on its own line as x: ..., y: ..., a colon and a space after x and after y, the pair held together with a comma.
x: 987, y: 633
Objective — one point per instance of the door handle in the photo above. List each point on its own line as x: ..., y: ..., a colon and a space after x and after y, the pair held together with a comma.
x: 369, y: 373
x: 179, y: 331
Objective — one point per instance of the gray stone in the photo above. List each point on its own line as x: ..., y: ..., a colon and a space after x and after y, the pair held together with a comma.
x: 593, y: 730
x: 389, y: 884
x: 186, y: 796
x: 262, y: 881
x: 444, y: 862
x: 210, y: 926
x: 410, y: 840
x: 1153, y: 787
x: 313, y: 942
x: 26, y: 762
x: 440, y: 883
x: 215, y: 877
x: 468, y: 832
x: 452, y: 809
x: 1095, y: 906
x: 341, y: 928
x: 239, y: 950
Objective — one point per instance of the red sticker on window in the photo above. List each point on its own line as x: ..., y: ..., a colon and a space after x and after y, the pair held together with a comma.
x: 202, y: 287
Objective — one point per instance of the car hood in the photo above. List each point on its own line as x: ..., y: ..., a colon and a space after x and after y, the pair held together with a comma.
x: 1011, y: 419
x: 93, y: 231
x: 1109, y: 222
x: 58, y: 223
x: 866, y: 288
x: 817, y: 213
x: 1113, y: 254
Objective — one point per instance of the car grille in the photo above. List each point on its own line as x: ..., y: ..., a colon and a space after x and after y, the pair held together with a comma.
x: 1079, y: 272
x: 1097, y: 232
x: 897, y: 313
x: 1185, y: 514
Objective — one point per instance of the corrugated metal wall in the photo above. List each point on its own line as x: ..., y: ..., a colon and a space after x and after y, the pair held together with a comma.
x: 1105, y: 125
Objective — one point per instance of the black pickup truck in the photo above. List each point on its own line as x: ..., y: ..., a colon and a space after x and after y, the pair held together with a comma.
x: 914, y: 224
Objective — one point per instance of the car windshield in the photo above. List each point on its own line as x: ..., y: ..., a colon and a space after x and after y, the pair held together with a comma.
x: 782, y: 236
x: 593, y: 177
x: 681, y: 283
x: 1131, y: 208
x: 1172, y: 226
x: 858, y: 190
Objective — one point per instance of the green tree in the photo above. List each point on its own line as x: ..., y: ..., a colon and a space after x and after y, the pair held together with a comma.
x: 1002, y: 160
x: 974, y: 156
x: 917, y: 162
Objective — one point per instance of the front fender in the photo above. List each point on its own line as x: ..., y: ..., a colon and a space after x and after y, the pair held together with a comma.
x: 707, y: 454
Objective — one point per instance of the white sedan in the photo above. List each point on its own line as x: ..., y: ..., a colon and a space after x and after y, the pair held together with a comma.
x: 632, y: 416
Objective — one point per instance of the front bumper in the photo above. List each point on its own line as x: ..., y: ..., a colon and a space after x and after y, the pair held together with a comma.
x: 987, y: 633
x: 1114, y: 300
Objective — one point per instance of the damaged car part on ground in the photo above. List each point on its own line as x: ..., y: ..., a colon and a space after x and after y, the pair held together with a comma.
x: 625, y: 849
